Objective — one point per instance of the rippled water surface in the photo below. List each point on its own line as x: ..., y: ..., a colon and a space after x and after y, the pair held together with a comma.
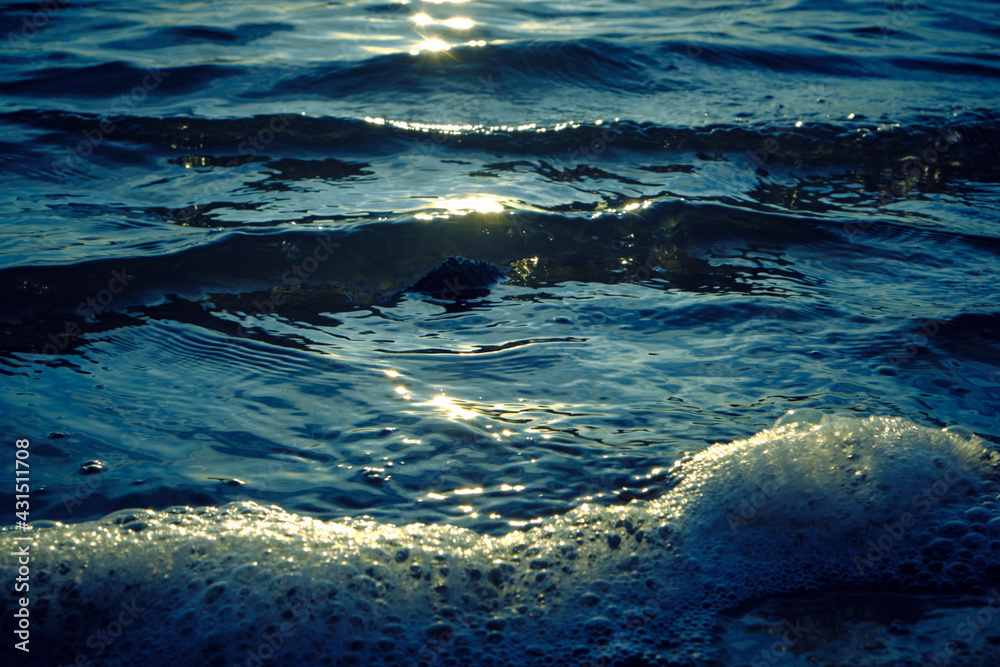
x: 706, y: 214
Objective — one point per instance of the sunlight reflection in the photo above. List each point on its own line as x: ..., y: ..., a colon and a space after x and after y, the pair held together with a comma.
x: 430, y: 45
x: 445, y: 128
x: 474, y: 204
x: 453, y: 411
x: 463, y: 207
x: 627, y: 208
x: 459, y: 23
x: 422, y: 19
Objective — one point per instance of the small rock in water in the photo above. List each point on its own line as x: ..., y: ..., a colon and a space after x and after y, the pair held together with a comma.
x: 458, y: 278
x: 91, y: 467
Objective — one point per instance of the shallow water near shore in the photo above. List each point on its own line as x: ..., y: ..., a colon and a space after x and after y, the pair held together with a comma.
x: 644, y: 583
x: 704, y: 216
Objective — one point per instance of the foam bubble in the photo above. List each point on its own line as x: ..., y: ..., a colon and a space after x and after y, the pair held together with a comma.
x: 814, y: 503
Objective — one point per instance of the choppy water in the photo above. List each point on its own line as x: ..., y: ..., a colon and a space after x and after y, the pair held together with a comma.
x: 707, y: 214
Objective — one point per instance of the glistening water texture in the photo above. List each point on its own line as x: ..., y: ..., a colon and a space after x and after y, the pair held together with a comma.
x: 224, y: 225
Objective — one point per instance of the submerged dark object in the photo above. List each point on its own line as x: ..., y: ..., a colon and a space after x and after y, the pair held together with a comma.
x: 458, y: 278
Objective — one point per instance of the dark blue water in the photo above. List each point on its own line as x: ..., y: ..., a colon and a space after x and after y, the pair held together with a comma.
x: 684, y: 220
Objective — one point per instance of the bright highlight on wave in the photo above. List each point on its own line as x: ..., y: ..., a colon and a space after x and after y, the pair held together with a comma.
x: 430, y: 45
x: 451, y: 128
x: 474, y: 204
x: 456, y: 23
x: 453, y: 411
x: 631, y: 207
x: 459, y: 23
x: 464, y: 207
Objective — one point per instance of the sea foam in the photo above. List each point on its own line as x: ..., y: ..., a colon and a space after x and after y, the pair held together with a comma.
x: 815, y: 503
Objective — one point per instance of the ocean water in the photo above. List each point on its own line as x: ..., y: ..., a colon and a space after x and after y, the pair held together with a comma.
x: 466, y: 333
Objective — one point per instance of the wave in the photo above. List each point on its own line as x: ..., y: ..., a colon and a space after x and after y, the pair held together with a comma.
x: 98, y: 80
x: 816, y: 503
x: 354, y: 265
x: 606, y: 65
x: 668, y: 243
x: 962, y: 143
x: 592, y: 63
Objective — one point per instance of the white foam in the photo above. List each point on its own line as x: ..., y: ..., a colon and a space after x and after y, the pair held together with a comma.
x: 792, y: 508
